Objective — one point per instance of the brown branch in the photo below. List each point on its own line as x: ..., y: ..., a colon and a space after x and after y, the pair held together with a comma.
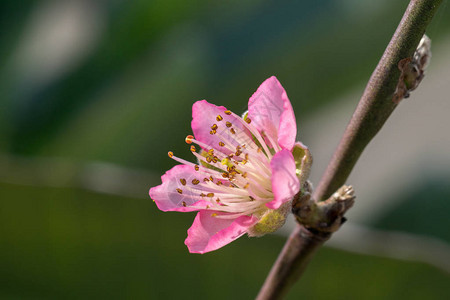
x: 375, y: 106
x: 376, y: 103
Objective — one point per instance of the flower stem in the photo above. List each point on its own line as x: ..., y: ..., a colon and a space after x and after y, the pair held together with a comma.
x: 374, y: 108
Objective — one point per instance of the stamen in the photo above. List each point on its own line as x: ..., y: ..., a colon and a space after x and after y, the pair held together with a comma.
x: 219, y: 118
x: 180, y: 191
x: 236, y: 215
x: 255, y: 133
x: 228, y: 112
x: 210, y: 161
x: 214, y: 127
x: 196, y: 167
x: 189, y: 139
x: 170, y: 153
x: 183, y: 181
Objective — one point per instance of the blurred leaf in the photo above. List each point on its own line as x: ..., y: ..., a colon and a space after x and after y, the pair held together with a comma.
x: 424, y: 209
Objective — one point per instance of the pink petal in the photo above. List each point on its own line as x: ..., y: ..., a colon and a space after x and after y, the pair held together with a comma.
x: 209, y: 233
x: 285, y: 184
x: 166, y: 196
x: 204, y: 116
x: 271, y: 111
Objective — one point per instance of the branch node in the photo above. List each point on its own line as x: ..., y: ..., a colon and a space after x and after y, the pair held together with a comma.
x: 323, y: 216
x: 413, y: 70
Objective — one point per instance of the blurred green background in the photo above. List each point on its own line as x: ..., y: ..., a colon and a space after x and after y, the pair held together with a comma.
x: 94, y: 93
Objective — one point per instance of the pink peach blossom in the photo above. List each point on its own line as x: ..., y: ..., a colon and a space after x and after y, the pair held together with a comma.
x: 247, y: 175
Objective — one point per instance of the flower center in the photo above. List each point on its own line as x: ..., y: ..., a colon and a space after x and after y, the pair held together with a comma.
x: 234, y: 176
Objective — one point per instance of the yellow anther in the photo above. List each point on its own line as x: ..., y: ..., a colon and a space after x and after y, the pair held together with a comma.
x: 213, y: 215
x: 183, y: 181
x: 247, y: 185
x: 189, y: 139
x: 221, y: 144
x: 232, y: 131
x: 183, y: 203
x: 180, y: 191
x: 227, y: 112
x: 210, y: 195
x: 196, y: 168
x: 228, y: 124
x: 219, y: 118
x: 213, y: 132
x: 248, y: 120
x: 214, y: 127
x: 195, y: 181
x: 170, y: 153
x: 193, y: 148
